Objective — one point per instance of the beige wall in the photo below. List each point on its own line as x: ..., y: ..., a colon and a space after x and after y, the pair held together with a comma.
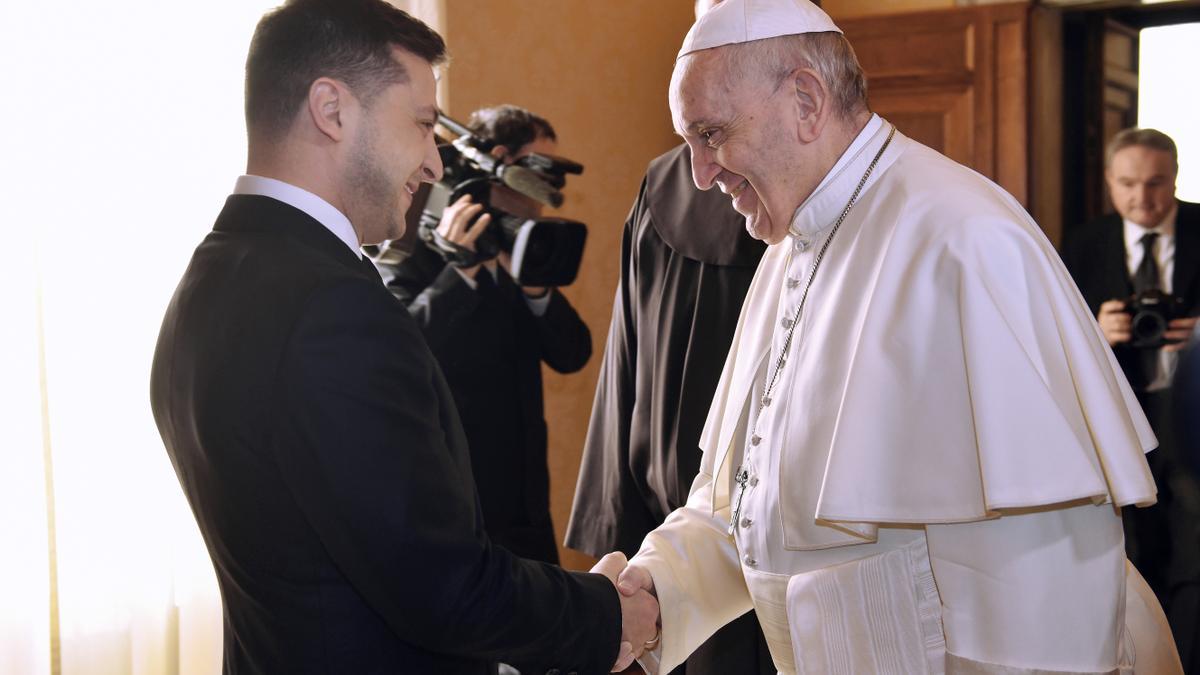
x: 839, y: 9
x: 599, y: 72
x: 844, y: 9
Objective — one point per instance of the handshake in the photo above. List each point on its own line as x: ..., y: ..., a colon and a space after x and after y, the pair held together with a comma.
x: 640, y: 629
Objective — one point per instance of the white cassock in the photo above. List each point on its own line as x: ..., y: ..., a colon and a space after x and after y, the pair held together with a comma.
x: 935, y: 480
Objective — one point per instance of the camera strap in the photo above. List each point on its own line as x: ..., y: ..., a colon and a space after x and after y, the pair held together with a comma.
x: 452, y: 253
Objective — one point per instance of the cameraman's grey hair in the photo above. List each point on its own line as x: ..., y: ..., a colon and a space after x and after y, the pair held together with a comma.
x: 827, y: 53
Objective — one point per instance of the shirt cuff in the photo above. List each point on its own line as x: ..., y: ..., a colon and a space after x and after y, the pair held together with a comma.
x: 538, y: 305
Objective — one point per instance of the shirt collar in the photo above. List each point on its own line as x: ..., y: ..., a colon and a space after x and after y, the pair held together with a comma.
x: 321, y: 211
x: 822, y: 206
x: 1165, y: 229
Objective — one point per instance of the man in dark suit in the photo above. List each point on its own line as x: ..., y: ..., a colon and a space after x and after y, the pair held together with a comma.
x: 1151, y: 244
x: 311, y: 429
x: 490, y: 336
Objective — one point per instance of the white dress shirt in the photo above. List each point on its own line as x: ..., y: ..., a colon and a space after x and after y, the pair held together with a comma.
x: 321, y: 211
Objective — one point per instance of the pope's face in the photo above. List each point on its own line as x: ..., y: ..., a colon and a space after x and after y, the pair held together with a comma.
x: 393, y: 152
x: 1141, y: 181
x: 736, y: 128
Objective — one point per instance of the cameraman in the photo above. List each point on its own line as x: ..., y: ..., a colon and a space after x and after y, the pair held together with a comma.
x: 490, y: 338
x: 1150, y: 245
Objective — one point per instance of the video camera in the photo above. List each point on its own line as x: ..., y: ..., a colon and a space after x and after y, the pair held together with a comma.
x: 544, y: 251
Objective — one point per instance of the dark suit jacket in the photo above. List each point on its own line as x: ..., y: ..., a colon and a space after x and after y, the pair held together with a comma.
x: 1095, y: 256
x: 491, y: 346
x: 321, y: 452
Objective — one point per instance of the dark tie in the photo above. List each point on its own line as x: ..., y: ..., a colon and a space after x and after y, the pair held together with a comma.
x: 1146, y: 276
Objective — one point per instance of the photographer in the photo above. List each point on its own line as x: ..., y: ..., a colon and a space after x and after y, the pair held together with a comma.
x: 490, y: 337
x: 1137, y: 270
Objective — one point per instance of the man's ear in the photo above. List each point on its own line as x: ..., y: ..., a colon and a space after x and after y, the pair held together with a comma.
x: 498, y: 152
x: 812, y: 103
x: 328, y: 105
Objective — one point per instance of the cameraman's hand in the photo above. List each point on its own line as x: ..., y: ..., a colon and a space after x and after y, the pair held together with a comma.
x: 1179, y: 331
x: 1115, y: 322
x: 456, y: 226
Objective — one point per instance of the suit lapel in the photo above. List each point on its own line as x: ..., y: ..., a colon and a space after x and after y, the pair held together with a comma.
x: 1187, y: 253
x: 1113, y: 260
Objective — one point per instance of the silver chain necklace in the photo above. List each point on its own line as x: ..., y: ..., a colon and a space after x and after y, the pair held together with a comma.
x: 742, y: 477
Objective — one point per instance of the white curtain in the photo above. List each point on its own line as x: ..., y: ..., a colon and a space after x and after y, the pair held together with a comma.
x: 122, y: 135
x: 121, y: 144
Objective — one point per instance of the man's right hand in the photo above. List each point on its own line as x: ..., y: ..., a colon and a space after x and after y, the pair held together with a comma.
x: 639, y: 611
x: 457, y: 228
x: 1115, y: 322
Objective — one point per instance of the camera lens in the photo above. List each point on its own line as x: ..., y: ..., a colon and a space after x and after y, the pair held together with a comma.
x: 1148, y: 326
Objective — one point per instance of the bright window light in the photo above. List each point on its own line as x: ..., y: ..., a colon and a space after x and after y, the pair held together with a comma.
x: 123, y: 136
x: 1168, y: 101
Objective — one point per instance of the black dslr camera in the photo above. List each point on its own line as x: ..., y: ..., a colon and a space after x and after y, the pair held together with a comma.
x: 544, y: 251
x: 1151, y: 313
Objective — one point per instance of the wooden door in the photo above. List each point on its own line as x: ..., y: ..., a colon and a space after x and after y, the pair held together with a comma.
x: 1101, y: 99
x: 955, y: 80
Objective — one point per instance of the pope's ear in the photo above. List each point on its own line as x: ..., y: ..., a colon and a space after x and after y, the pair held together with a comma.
x: 812, y: 103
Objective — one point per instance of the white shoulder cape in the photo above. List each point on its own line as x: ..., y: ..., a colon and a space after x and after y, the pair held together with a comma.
x: 975, y: 377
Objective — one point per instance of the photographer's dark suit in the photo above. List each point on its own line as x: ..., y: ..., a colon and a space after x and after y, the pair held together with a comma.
x: 1095, y: 255
x: 318, y: 445
x: 490, y: 346
x: 1163, y: 541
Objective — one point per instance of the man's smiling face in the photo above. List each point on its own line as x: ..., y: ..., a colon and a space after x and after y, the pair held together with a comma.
x: 737, y: 128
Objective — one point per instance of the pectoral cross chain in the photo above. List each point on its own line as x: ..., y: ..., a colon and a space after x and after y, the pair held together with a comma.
x: 742, y: 478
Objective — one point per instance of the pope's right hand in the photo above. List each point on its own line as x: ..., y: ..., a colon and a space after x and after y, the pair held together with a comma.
x: 1115, y: 322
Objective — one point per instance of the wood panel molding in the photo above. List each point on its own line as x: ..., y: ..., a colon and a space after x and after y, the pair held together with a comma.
x: 956, y: 80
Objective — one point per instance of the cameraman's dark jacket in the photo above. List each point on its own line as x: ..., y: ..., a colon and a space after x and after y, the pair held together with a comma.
x: 491, y: 346
x: 1095, y: 255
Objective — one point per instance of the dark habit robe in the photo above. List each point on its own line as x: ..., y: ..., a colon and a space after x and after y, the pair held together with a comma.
x: 686, y: 263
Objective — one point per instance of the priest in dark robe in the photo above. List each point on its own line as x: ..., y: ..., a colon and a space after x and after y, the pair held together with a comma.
x: 686, y: 262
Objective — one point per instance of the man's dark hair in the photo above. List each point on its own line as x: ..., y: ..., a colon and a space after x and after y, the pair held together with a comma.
x: 347, y: 40
x: 510, y: 126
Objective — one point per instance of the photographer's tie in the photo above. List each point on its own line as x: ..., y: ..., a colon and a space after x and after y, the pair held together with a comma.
x: 1146, y: 276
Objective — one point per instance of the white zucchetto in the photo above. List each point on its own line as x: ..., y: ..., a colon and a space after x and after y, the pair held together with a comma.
x: 733, y: 22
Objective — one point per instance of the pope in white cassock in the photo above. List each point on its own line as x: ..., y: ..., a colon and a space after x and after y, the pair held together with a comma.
x: 914, y: 458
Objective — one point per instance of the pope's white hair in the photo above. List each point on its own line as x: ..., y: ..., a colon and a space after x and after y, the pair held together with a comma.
x: 827, y: 53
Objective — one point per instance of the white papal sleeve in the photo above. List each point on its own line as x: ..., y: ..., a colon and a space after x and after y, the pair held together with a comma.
x: 1041, y: 592
x: 697, y: 576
